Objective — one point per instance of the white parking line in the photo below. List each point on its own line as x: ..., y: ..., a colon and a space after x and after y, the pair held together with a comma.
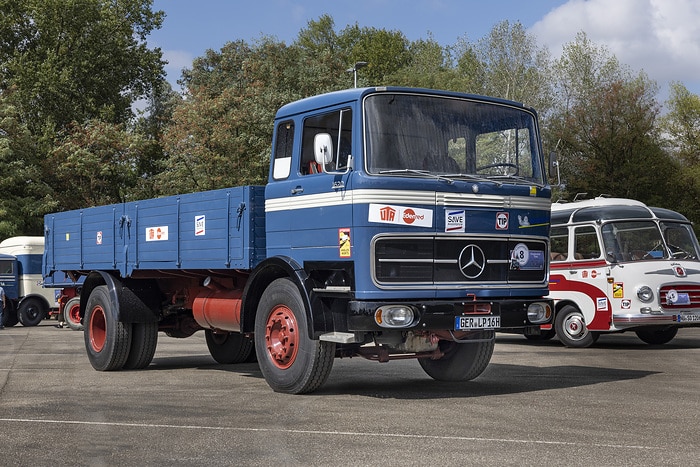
x: 331, y: 433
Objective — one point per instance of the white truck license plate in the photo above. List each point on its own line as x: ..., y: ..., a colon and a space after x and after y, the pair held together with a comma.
x: 463, y: 323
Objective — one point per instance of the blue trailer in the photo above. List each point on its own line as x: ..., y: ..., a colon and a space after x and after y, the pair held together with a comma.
x: 396, y: 223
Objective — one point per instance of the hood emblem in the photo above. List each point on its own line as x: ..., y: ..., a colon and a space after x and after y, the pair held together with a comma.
x: 471, y: 261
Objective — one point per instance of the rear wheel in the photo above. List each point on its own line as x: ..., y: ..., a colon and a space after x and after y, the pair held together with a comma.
x: 107, y: 340
x: 570, y: 325
x: 657, y: 336
x: 31, y: 312
x: 71, y: 314
x: 10, y: 315
x: 289, y: 359
x: 144, y: 337
x: 229, y: 347
x: 461, y: 362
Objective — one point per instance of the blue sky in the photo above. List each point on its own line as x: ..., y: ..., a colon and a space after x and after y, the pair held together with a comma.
x: 660, y: 37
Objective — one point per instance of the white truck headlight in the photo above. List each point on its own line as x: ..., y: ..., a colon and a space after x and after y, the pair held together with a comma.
x: 645, y: 294
x: 394, y: 316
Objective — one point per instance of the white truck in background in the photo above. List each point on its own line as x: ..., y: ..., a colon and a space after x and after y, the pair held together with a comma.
x: 28, y: 302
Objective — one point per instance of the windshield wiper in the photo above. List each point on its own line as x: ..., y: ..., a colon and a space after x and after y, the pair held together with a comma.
x: 517, y: 178
x: 423, y: 173
x: 475, y: 178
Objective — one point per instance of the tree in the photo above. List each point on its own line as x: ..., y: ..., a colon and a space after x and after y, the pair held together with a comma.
x: 681, y: 125
x: 63, y: 65
x: 514, y: 67
x: 606, y: 125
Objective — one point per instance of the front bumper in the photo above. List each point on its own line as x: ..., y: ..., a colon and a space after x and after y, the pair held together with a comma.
x: 440, y: 314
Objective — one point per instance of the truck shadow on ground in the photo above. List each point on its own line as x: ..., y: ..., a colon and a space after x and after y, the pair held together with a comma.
x: 406, y: 380
x: 498, y: 379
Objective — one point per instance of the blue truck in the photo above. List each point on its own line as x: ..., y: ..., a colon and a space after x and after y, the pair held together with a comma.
x: 396, y: 223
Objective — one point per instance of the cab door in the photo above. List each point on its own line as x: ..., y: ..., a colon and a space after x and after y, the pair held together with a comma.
x: 309, y: 209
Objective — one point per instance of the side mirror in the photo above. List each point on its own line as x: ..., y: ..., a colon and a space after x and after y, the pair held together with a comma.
x: 554, y: 167
x: 323, y: 149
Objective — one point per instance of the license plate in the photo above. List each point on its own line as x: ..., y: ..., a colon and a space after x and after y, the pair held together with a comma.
x: 689, y: 318
x: 463, y: 323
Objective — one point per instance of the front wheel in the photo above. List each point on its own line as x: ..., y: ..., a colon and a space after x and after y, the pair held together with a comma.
x: 462, y: 361
x: 657, y: 336
x: 71, y: 314
x: 107, y: 340
x: 289, y: 359
x: 570, y: 326
x: 31, y: 312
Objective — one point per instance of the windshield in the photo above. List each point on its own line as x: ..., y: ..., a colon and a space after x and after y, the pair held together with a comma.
x: 419, y: 135
x: 643, y: 240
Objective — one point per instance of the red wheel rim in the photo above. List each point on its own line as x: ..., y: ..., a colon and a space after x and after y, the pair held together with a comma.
x: 281, y: 337
x: 74, y: 313
x: 97, y: 329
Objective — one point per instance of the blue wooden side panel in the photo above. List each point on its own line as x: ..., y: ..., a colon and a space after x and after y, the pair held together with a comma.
x: 219, y: 229
x: 74, y: 239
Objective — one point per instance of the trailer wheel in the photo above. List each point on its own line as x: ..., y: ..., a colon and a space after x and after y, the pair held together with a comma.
x: 71, y: 314
x: 570, y: 326
x: 657, y: 336
x: 230, y: 347
x: 144, y: 337
x: 289, y: 359
x: 31, y: 312
x: 461, y: 362
x: 107, y: 340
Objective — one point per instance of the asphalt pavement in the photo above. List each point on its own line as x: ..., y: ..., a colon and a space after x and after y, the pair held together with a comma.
x: 621, y: 402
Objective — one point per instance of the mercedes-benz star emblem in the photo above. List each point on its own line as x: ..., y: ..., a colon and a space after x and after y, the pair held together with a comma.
x: 472, y: 261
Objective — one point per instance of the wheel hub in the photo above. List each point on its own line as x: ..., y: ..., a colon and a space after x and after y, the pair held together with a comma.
x: 575, y: 327
x: 98, y: 329
x: 281, y: 336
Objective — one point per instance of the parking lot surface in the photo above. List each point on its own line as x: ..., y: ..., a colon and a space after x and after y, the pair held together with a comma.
x: 621, y: 402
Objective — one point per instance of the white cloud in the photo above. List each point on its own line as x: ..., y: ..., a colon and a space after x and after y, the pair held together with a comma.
x: 177, y: 60
x: 661, y: 37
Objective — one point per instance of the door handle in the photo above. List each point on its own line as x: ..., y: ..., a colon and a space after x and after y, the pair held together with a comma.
x: 297, y: 190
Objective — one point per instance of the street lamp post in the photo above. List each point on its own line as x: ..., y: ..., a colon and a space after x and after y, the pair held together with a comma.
x: 354, y: 69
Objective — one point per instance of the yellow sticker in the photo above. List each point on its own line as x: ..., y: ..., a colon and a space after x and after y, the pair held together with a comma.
x: 618, y: 290
x: 533, y: 191
x: 344, y: 242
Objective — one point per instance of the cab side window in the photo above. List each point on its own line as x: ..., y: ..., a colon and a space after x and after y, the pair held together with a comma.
x: 338, y: 124
x: 559, y: 242
x: 284, y: 144
x: 586, y: 244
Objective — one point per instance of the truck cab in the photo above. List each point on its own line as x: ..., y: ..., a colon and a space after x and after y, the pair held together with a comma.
x: 619, y: 265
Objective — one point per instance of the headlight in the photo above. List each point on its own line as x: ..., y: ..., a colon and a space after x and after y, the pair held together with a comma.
x: 394, y: 316
x: 538, y: 312
x: 645, y: 294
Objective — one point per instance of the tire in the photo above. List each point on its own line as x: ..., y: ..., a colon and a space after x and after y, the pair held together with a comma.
x: 289, y: 359
x: 107, y: 340
x: 230, y: 347
x: 31, y: 312
x: 10, y: 316
x: 657, y: 336
x: 570, y: 326
x: 144, y: 338
x: 543, y: 336
x: 71, y: 314
x: 461, y: 362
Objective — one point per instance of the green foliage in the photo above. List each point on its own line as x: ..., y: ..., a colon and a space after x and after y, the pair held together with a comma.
x: 71, y: 71
x: 66, y: 65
